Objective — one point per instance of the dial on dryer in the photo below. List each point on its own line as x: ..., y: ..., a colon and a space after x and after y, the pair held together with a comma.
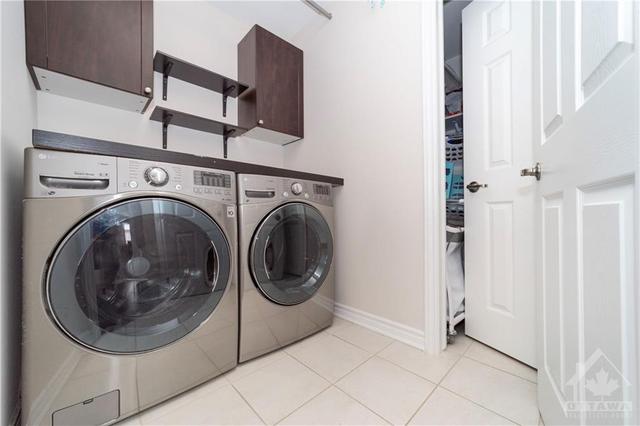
x: 296, y: 188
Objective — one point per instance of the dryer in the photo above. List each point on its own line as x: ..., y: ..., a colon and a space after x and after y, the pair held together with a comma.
x: 129, y: 284
x: 286, y: 261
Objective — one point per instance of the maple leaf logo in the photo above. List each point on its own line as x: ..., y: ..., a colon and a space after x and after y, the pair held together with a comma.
x: 601, y: 385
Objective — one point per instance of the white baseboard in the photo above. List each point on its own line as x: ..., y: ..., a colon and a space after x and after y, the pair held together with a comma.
x: 405, y: 334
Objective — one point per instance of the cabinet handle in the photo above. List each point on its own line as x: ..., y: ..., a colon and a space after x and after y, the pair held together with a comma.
x: 261, y: 122
x: 147, y: 90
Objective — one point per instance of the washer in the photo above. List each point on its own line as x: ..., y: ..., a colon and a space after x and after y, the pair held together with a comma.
x: 286, y: 261
x: 130, y: 284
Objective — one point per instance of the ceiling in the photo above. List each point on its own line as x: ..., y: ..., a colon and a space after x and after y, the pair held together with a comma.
x: 284, y: 18
x: 453, y: 27
x: 287, y: 18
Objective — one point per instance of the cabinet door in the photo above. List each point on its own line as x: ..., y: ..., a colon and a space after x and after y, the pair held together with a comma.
x: 99, y: 41
x: 279, y: 84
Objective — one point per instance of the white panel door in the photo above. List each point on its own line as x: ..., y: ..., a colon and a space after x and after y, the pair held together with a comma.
x: 586, y: 138
x: 499, y: 250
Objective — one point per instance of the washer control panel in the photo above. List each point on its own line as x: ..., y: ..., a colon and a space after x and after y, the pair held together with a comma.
x: 142, y: 175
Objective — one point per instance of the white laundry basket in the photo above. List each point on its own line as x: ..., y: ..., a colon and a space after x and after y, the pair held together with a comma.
x: 455, y: 277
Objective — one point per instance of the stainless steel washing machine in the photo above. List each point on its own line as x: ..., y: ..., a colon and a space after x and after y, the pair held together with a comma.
x: 130, y: 284
x: 286, y: 261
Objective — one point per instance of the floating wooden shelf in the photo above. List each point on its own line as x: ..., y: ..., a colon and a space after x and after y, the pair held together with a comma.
x: 170, y: 66
x: 70, y: 143
x: 182, y: 119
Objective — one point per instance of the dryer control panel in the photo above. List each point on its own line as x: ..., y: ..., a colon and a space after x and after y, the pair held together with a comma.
x: 142, y: 175
x: 254, y: 189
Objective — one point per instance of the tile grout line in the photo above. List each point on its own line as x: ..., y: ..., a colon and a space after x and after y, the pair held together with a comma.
x: 305, y: 402
x: 369, y: 408
x: 284, y: 351
x: 371, y: 356
x: 434, y: 389
x: 329, y: 384
x: 364, y: 349
x: 183, y: 395
x: 339, y: 390
x: 255, y: 371
x: 418, y: 375
x: 408, y: 371
x: 468, y: 399
x: 366, y: 407
x: 479, y: 405
x: 339, y: 378
x: 392, y: 340
x: 376, y: 355
x: 449, y: 370
x: 392, y: 363
x: 248, y: 403
x: 421, y: 404
x: 474, y: 341
x: 499, y: 369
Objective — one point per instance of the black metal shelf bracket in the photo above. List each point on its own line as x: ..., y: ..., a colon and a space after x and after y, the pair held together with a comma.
x: 166, y: 120
x: 166, y: 71
x: 226, y: 133
x: 225, y: 94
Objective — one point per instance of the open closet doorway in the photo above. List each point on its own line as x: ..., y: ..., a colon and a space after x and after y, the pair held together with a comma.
x: 490, y: 262
x: 551, y: 100
x: 454, y: 167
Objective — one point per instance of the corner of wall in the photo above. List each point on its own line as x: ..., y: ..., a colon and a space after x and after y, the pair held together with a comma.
x: 17, y: 119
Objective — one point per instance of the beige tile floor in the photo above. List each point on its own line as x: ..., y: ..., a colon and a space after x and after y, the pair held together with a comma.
x: 349, y: 375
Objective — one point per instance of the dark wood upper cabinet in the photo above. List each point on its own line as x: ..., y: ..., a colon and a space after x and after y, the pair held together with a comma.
x: 100, y: 51
x: 273, y: 106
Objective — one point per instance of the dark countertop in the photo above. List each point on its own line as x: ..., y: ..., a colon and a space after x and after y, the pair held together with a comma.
x: 63, y: 142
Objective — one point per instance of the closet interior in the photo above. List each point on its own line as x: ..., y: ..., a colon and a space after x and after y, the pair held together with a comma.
x: 454, y: 165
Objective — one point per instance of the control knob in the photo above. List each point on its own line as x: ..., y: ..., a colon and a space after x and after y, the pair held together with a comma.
x: 296, y: 188
x: 156, y: 176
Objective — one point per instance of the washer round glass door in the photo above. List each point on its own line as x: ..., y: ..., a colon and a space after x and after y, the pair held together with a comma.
x: 138, y: 275
x: 291, y: 253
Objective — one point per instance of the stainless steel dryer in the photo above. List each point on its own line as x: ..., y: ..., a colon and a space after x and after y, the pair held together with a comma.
x: 130, y: 285
x: 286, y: 261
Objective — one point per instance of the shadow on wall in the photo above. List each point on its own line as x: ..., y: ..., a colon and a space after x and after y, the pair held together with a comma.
x: 17, y: 119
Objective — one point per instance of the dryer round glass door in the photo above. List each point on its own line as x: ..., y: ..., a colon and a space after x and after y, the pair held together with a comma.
x: 138, y: 275
x: 291, y: 253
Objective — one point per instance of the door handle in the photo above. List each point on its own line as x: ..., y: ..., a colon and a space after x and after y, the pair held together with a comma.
x: 475, y: 186
x: 535, y: 171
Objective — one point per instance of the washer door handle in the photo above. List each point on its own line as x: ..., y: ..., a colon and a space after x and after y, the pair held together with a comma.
x: 211, y: 265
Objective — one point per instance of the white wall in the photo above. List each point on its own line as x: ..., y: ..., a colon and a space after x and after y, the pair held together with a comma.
x: 363, y: 121
x: 195, y: 31
x: 17, y: 119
